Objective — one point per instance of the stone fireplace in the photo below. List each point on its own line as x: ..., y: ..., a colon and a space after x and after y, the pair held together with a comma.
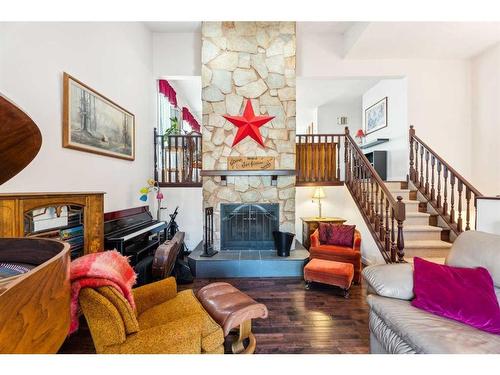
x: 248, y: 61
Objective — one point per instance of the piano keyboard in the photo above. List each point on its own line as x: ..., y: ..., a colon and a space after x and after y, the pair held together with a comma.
x: 138, y: 232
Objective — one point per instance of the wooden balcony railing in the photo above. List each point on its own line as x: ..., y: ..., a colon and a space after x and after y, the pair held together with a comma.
x: 317, y: 161
x: 442, y: 185
x: 178, y: 160
x: 383, y: 214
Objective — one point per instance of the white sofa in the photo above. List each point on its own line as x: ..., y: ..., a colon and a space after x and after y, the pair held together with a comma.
x: 398, y: 327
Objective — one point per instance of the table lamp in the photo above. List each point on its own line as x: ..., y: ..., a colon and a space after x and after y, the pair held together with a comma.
x: 319, y: 194
x: 360, y: 134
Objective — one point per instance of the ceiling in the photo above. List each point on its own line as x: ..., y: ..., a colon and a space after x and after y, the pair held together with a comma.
x: 417, y: 40
x: 315, y: 92
x: 174, y: 27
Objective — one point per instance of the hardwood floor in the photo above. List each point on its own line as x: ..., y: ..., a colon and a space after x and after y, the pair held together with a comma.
x: 318, y: 320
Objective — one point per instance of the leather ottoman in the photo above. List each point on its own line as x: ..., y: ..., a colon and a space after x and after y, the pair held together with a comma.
x: 329, y: 272
x: 231, y: 308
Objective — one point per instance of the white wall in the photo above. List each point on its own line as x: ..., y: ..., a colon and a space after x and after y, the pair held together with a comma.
x: 486, y: 121
x: 439, y: 92
x: 113, y: 58
x: 190, y: 217
x: 396, y: 131
x: 176, y: 54
x: 339, y: 203
x: 328, y: 113
x: 304, y: 118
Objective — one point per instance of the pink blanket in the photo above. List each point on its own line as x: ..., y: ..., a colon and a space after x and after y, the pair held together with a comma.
x: 107, y: 268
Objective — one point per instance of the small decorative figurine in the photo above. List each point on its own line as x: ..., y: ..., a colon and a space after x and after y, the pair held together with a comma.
x: 153, y: 186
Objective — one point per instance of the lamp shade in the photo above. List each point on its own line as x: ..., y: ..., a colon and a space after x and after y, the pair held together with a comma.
x: 319, y: 193
x: 360, y: 133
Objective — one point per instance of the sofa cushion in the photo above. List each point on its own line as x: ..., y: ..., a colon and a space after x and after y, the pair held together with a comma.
x: 477, y: 249
x: 429, y: 333
x: 390, y: 280
x: 332, y: 251
x: 184, y: 304
x: 340, y: 235
x: 463, y: 294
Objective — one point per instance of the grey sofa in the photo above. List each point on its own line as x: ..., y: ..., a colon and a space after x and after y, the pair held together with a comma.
x: 397, y: 327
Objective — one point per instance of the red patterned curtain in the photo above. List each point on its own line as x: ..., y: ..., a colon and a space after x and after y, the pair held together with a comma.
x: 168, y: 91
x: 187, y: 116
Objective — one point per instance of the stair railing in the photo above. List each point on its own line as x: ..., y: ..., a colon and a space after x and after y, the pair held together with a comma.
x: 383, y: 214
x: 441, y: 185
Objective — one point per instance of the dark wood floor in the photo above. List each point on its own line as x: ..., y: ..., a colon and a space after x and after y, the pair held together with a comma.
x: 318, y: 320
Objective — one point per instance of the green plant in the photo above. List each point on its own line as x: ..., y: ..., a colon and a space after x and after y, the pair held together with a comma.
x: 174, y: 127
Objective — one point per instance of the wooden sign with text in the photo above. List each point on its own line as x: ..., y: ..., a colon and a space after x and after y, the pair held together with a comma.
x: 250, y: 163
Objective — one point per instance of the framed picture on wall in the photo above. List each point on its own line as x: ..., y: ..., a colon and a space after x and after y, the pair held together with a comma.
x: 93, y: 123
x: 376, y: 116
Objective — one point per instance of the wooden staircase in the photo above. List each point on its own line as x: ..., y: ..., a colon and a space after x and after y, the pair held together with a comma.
x: 422, y: 235
x: 417, y: 217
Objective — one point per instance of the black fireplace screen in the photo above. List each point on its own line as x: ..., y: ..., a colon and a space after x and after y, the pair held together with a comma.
x: 248, y: 226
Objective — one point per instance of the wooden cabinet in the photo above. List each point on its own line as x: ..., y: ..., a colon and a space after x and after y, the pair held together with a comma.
x: 15, y: 206
x: 310, y: 224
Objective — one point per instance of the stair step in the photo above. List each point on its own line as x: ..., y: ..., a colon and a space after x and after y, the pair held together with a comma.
x: 411, y: 206
x: 393, y: 184
x: 426, y: 249
x: 417, y: 218
x: 404, y: 193
x: 422, y: 232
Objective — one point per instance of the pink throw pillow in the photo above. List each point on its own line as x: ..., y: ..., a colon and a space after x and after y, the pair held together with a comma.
x: 323, y: 232
x: 341, y: 235
x: 463, y: 294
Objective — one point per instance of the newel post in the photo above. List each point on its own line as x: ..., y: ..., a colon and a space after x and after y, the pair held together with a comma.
x: 411, y: 134
x: 400, y: 217
x: 347, y: 167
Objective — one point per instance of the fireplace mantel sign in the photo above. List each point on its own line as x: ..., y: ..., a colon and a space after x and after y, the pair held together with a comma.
x: 250, y: 163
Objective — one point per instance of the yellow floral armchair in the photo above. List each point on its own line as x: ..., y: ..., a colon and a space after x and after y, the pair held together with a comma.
x: 164, y: 321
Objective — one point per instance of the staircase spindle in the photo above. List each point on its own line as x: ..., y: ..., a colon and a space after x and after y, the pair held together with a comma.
x: 460, y: 187
x: 445, y: 191
x: 421, y: 180
x: 393, y: 238
x: 467, y: 209
x: 412, y: 164
x: 381, y: 221
x: 372, y: 208
x: 401, y: 215
x: 416, y: 163
x: 438, y: 199
x: 338, y: 159
x: 452, y: 198
x: 426, y: 172
x: 433, y: 191
x: 377, y: 218
x: 387, y: 228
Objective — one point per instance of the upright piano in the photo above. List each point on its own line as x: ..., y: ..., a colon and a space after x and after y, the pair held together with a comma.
x: 134, y: 233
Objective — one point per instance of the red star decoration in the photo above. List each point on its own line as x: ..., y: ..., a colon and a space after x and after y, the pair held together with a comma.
x: 248, y: 125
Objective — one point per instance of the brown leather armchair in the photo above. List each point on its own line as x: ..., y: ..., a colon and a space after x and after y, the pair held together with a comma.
x: 338, y: 253
x: 164, y: 321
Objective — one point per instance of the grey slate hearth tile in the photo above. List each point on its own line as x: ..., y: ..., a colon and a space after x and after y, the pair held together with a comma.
x: 249, y: 268
x: 250, y: 255
x: 223, y: 268
x: 271, y: 268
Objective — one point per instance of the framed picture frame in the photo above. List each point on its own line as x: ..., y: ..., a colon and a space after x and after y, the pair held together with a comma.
x: 94, y: 123
x: 376, y: 116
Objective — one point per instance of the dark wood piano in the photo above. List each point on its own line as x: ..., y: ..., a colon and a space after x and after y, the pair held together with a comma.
x: 134, y: 233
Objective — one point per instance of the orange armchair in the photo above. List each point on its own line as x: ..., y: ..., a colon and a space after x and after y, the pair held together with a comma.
x: 338, y: 253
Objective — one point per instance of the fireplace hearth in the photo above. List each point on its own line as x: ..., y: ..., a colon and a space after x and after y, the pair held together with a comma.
x: 248, y: 226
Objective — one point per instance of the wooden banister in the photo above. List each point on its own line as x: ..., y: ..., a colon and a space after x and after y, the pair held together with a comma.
x: 383, y: 214
x: 441, y: 184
